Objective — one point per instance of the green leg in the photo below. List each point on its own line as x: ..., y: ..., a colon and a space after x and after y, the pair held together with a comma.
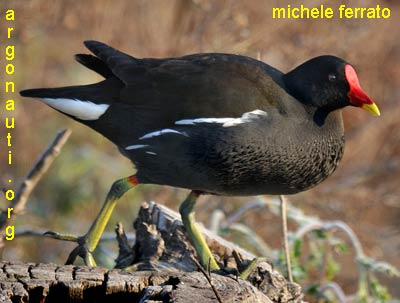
x: 252, y: 266
x: 88, y: 243
x: 193, y: 231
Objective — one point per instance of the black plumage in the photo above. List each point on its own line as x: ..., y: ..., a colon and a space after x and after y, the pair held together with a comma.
x: 213, y: 123
x: 258, y: 130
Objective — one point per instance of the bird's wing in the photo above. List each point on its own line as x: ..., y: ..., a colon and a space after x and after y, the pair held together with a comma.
x: 156, y: 93
x: 140, y: 96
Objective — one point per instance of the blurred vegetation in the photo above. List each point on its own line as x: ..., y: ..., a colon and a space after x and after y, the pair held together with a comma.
x: 364, y: 192
x: 315, y: 249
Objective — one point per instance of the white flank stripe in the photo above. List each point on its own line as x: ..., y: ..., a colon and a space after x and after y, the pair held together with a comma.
x: 137, y: 146
x: 226, y: 122
x: 203, y: 120
x: 151, y: 153
x: 84, y: 110
x: 161, y: 132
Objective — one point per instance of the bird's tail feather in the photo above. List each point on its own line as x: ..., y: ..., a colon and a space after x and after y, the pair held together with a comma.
x: 86, y: 102
x: 60, y: 92
x: 94, y: 64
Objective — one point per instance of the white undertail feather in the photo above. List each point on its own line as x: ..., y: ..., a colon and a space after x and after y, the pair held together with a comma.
x: 83, y: 110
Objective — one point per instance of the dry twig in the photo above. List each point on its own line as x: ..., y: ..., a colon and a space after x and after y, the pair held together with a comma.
x: 32, y: 178
x: 208, y: 277
x: 285, y: 237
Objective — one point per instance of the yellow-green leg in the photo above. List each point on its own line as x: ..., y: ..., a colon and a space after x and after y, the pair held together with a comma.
x: 203, y: 251
x: 88, y: 243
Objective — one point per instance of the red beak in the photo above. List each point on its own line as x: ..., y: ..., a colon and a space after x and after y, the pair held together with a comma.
x: 357, y: 96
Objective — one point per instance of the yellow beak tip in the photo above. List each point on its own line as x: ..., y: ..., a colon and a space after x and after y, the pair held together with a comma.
x: 372, y: 108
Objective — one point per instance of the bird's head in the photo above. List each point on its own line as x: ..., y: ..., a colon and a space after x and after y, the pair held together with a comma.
x: 328, y: 83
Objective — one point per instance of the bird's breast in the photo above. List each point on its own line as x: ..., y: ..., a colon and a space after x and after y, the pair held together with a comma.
x: 243, y: 159
x: 283, y: 162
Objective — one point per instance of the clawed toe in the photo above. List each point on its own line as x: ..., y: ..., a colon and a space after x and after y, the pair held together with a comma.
x: 248, y: 269
x: 62, y: 237
x: 81, y: 250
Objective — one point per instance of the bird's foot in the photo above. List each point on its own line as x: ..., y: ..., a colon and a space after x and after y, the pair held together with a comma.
x: 81, y: 250
x: 88, y: 243
x: 248, y: 269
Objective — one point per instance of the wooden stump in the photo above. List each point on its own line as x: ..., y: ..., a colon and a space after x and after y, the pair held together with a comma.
x: 164, y: 272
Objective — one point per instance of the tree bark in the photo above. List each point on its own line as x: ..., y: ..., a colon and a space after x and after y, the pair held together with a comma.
x: 164, y: 271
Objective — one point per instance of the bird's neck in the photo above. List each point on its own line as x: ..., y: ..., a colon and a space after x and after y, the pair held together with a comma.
x: 331, y: 121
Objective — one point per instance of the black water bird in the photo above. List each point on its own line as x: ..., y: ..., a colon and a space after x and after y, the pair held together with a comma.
x: 213, y: 123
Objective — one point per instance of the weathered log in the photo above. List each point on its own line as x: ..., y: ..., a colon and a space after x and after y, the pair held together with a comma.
x: 164, y: 272
x: 51, y: 283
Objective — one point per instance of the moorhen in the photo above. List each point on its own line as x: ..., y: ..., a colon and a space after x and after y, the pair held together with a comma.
x: 213, y: 123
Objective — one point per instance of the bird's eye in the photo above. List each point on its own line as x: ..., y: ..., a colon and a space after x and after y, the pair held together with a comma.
x: 332, y: 77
